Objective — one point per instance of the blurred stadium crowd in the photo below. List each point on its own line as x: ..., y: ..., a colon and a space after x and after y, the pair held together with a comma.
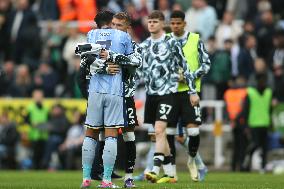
x: 38, y: 37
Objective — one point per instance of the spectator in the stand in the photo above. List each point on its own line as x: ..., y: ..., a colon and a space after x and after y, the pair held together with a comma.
x: 22, y: 84
x: 19, y: 23
x: 201, y: 18
x: 48, y: 10
x: 257, y: 105
x: 7, y: 75
x: 247, y: 55
x: 72, y: 88
x: 264, y: 34
x: 278, y: 65
x: 79, y: 10
x: 260, y: 67
x: 220, y: 7
x: 220, y: 72
x: 71, y: 147
x: 67, y: 10
x: 138, y: 20
x: 49, y: 79
x: 164, y: 6
x: 234, y: 99
x: 86, y: 11
x: 249, y: 27
x: 74, y: 37
x: 184, y: 4
x: 53, y: 47
x: 8, y: 140
x: 37, y: 117
x: 57, y: 127
x: 227, y: 29
x: 5, y: 9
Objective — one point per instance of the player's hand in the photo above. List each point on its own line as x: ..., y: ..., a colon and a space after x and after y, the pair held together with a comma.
x: 194, y: 99
x: 112, y: 68
x: 104, y: 54
x: 180, y: 139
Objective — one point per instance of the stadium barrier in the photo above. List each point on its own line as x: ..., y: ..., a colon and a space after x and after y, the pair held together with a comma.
x: 16, y: 109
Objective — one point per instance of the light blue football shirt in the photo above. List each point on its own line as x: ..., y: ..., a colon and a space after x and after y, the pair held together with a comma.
x: 118, y: 42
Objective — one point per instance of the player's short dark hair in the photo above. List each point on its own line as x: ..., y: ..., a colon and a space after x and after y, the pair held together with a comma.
x: 178, y: 14
x: 156, y: 14
x: 123, y: 16
x: 103, y: 18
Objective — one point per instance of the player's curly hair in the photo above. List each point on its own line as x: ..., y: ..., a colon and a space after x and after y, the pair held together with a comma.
x: 103, y: 18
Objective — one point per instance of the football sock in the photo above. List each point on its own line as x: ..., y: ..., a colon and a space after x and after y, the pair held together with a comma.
x: 199, y: 162
x: 130, y: 156
x: 150, y: 157
x: 158, y: 160
x: 129, y: 139
x: 194, y: 139
x: 168, y: 166
x: 109, y: 157
x: 88, y: 155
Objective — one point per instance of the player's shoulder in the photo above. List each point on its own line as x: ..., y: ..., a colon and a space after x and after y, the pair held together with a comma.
x: 171, y: 40
x: 146, y: 43
x: 120, y: 33
x: 91, y: 32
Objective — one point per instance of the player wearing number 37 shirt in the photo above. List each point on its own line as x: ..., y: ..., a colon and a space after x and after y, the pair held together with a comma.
x: 162, y: 59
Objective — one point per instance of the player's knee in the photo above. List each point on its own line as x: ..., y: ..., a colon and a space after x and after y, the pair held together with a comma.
x: 128, y: 136
x: 193, y: 131
x: 92, y: 133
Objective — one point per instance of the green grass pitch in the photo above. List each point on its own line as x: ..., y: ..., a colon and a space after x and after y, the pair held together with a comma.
x: 70, y: 180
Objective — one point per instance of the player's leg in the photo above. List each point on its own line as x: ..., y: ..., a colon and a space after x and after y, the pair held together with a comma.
x: 113, y: 119
x: 88, y: 155
x: 97, y: 168
x: 171, y: 132
x: 151, y: 105
x: 129, y: 139
x: 93, y: 122
x: 191, y: 118
x: 150, y: 155
x: 165, y: 114
x: 109, y: 156
x: 130, y: 156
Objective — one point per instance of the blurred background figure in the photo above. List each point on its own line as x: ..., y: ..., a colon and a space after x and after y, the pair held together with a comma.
x: 21, y: 86
x: 70, y: 149
x: 234, y: 98
x: 9, y: 138
x: 201, y: 18
x: 57, y: 127
x: 37, y: 117
x: 257, y: 113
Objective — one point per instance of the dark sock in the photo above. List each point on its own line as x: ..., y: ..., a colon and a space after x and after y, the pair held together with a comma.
x: 130, y: 156
x: 158, y: 160
x: 193, y: 145
x: 171, y: 141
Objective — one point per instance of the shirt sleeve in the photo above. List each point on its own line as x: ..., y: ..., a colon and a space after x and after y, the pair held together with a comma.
x: 189, y: 77
x: 204, y: 61
x: 132, y: 59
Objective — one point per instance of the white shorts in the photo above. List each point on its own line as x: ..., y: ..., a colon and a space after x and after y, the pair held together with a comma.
x: 105, y: 110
